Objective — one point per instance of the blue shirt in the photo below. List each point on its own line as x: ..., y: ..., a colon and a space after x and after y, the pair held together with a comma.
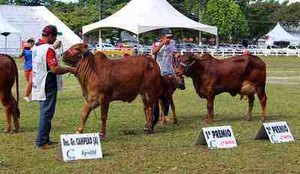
x: 28, y: 59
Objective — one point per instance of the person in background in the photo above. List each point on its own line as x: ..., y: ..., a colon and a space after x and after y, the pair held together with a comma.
x: 26, y: 55
x: 45, y: 68
x: 163, y: 52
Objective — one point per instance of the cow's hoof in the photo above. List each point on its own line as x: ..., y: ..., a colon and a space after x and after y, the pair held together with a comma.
x: 249, y: 118
x: 79, y: 131
x: 6, y: 131
x: 208, y: 120
x: 263, y: 119
x: 147, y: 131
x: 102, y: 135
x: 17, y: 130
x: 175, y: 122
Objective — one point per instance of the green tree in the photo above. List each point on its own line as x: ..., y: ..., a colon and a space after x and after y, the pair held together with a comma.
x: 228, y: 17
x: 259, y: 17
x: 288, y: 14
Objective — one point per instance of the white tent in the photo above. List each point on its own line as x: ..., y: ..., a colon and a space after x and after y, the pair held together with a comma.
x: 30, y: 21
x: 278, y: 34
x: 6, y: 29
x: 140, y: 16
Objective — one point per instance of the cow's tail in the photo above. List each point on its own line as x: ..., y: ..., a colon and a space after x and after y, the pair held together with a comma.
x: 17, y: 80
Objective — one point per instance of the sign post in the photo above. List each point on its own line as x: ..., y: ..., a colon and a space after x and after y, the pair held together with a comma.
x: 216, y: 137
x: 80, y: 146
x: 276, y: 132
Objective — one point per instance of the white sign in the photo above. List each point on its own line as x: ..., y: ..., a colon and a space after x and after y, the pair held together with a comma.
x: 217, y: 137
x: 80, y: 146
x: 277, y: 132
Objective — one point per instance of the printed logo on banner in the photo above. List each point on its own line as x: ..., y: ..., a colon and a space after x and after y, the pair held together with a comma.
x: 80, y: 146
x: 216, y: 137
x: 276, y: 132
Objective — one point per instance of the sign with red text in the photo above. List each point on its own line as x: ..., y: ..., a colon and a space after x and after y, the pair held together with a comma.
x: 276, y: 132
x: 80, y: 146
x: 217, y: 137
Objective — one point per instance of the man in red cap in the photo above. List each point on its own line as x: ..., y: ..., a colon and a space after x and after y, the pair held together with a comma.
x: 45, y: 69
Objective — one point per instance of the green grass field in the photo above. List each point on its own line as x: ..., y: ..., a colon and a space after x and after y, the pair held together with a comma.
x: 170, y: 150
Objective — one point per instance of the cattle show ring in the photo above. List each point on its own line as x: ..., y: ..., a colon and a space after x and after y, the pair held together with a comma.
x: 230, y: 111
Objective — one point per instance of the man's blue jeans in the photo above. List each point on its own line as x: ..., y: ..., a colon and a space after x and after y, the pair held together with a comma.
x: 47, y: 109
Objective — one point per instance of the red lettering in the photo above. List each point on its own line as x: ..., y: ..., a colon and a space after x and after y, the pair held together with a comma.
x: 227, y: 142
x: 285, y: 137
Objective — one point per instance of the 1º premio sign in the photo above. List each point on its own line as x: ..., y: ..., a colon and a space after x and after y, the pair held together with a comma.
x: 80, y: 146
x: 217, y: 137
x: 276, y: 132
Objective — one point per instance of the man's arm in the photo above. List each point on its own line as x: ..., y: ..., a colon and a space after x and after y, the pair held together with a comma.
x: 53, y: 64
x: 22, y: 55
x: 164, y: 41
x: 63, y: 70
x: 156, y: 48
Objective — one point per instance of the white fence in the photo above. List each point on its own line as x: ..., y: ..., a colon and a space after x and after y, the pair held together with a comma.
x: 263, y: 52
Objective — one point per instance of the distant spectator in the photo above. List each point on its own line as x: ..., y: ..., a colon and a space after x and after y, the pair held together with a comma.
x: 26, y: 55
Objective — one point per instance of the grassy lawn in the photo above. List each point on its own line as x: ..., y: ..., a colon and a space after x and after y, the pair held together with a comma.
x: 170, y: 150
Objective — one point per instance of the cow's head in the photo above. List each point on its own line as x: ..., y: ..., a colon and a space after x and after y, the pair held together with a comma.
x: 74, y: 54
x: 184, y: 64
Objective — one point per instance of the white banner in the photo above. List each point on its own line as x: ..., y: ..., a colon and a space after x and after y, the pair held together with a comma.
x: 217, y: 137
x: 278, y: 132
x: 80, y: 146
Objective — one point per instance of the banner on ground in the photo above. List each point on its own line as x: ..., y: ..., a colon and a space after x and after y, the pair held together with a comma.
x: 216, y: 137
x: 276, y: 132
x: 80, y: 146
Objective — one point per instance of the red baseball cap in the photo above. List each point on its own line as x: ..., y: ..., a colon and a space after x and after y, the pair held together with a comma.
x: 50, y: 29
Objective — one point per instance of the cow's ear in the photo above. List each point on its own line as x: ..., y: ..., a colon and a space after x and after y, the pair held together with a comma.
x: 84, y: 48
x: 197, y: 56
x: 191, y: 58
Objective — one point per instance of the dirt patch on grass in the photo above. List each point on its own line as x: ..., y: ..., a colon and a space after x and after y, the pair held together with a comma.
x: 287, y: 80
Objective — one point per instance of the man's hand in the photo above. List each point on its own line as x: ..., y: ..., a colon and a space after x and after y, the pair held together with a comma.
x: 165, y: 40
x: 73, y: 70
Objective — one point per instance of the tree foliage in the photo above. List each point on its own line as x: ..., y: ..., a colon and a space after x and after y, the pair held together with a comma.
x: 259, y: 17
x: 228, y: 17
x: 288, y: 14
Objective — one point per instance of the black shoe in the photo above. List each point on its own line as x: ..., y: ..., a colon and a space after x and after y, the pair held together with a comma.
x: 52, y: 143
x: 44, y: 147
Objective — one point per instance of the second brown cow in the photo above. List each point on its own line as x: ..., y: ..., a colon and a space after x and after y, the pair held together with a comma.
x: 244, y: 75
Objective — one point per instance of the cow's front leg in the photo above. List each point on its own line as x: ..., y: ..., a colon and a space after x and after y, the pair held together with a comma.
x: 250, y: 106
x: 83, y: 116
x: 149, y: 120
x: 104, y: 111
x: 210, y: 108
x: 173, y: 110
x: 7, y: 121
x: 7, y: 114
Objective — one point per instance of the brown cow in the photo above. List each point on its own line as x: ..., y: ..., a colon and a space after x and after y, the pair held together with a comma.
x: 8, y: 76
x: 244, y: 75
x: 103, y: 80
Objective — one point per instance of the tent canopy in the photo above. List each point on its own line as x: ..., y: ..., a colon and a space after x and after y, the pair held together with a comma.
x: 140, y: 16
x: 5, y: 27
x: 278, y: 34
